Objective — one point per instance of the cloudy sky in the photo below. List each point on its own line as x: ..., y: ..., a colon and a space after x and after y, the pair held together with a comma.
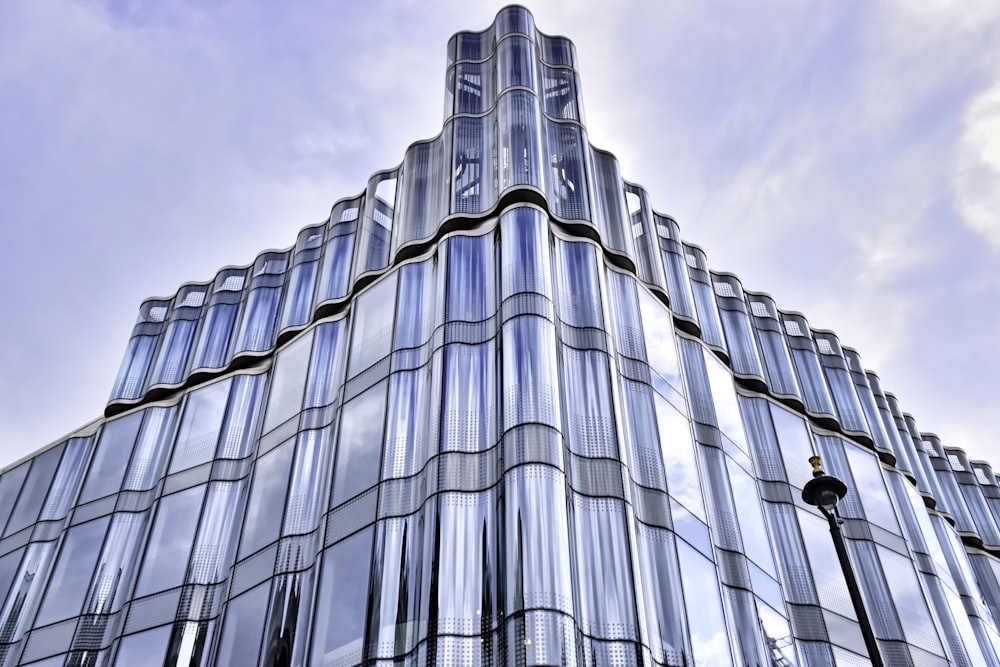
x: 842, y: 156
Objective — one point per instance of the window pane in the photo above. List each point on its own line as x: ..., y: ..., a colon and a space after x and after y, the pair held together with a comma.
x: 267, y: 499
x: 244, y: 625
x: 342, y: 602
x: 145, y: 649
x: 359, y: 450
x: 200, y: 426
x: 709, y: 639
x: 287, y: 382
x: 71, y: 576
x: 372, y: 313
x: 43, y: 467
x: 111, y: 458
x: 166, y: 558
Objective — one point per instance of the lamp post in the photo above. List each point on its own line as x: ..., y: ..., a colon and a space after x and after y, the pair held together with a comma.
x: 825, y: 491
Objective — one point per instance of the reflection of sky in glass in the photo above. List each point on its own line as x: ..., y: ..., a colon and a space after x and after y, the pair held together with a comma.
x: 661, y: 350
x: 727, y: 409
x: 677, y: 447
x: 706, y: 623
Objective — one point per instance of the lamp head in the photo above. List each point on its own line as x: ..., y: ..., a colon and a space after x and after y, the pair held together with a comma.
x: 823, y: 491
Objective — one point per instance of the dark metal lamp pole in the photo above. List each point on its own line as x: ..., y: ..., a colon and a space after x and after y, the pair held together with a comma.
x: 825, y: 491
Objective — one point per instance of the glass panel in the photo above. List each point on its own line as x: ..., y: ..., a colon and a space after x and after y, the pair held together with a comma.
x: 677, y: 449
x: 288, y: 382
x: 470, y: 284
x: 36, y: 487
x: 244, y: 623
x: 298, y: 303
x: 326, y: 367
x: 529, y: 372
x: 590, y: 424
x: 151, y: 450
x: 536, y: 545
x: 71, y: 577
x: 171, y: 358
x: 416, y: 309
x: 213, y: 340
x: 359, y: 450
x: 411, y: 423
x: 661, y: 351
x: 871, y: 489
x: 66, y: 480
x: 259, y: 316
x: 111, y: 457
x: 373, y: 313
x: 525, y: 254
x: 727, y: 408
x: 342, y: 604
x: 794, y: 443
x: 468, y: 562
x: 703, y: 600
x: 661, y: 582
x: 469, y: 405
x: 144, y: 648
x: 604, y: 576
x: 908, y: 598
x: 515, y: 63
x: 266, y: 506
x: 166, y: 559
x: 750, y: 517
x: 10, y: 488
x: 579, y: 284
x: 213, y: 548
x: 519, y: 156
x: 200, y: 426
x: 116, y: 566
x: 567, y: 179
x: 139, y: 353
x: 239, y: 429
x: 336, y: 269
x: 307, y: 492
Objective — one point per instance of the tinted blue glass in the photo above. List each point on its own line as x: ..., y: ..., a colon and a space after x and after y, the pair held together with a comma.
x: 36, y: 487
x: 70, y: 579
x: 266, y: 506
x: 244, y: 623
x: 166, y: 559
x: 111, y: 457
x: 359, y: 449
x: 213, y: 340
x: 338, y: 637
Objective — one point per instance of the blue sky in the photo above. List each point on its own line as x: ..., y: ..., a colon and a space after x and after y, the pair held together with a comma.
x: 841, y: 156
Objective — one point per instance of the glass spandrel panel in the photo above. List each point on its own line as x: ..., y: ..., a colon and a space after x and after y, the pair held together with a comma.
x: 152, y: 449
x: 111, y: 457
x: 144, y: 648
x: 469, y: 410
x: 359, y: 447
x: 326, y: 368
x: 703, y: 601
x: 677, y: 449
x: 794, y: 443
x: 266, y: 505
x: 288, y: 382
x: 470, y: 284
x: 579, y: 287
x: 71, y: 576
x: 10, y: 488
x: 201, y: 422
x: 371, y: 338
x: 165, y: 562
x: 342, y: 602
x: 36, y: 487
x: 239, y: 643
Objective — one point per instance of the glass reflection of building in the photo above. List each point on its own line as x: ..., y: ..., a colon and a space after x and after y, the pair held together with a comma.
x: 493, y: 411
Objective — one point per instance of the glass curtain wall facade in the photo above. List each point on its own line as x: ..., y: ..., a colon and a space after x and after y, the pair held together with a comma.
x: 492, y: 411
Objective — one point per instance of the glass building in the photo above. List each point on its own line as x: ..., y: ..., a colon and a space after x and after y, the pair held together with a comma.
x: 492, y: 411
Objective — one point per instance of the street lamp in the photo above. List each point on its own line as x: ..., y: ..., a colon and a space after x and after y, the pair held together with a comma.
x: 825, y: 491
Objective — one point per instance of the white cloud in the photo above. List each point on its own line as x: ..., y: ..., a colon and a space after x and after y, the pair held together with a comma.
x: 977, y: 177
